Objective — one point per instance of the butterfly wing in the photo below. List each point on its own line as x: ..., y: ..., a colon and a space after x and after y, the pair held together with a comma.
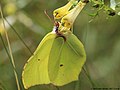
x: 66, y: 60
x: 36, y: 69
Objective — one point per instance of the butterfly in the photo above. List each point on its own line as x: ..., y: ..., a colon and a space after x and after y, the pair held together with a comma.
x: 58, y: 60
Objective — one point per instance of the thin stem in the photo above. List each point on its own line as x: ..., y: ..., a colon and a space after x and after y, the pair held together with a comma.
x: 77, y: 83
x: 85, y: 69
x: 89, y: 77
x: 8, y: 55
x: 10, y: 50
x: 19, y: 36
x: 4, y: 45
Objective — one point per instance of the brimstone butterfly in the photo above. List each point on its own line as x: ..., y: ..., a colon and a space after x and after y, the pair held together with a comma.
x: 58, y: 59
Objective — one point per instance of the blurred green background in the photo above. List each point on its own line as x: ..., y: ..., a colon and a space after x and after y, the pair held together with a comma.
x: 100, y: 36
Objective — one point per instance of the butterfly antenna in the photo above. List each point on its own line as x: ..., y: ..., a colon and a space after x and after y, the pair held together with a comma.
x: 45, y: 11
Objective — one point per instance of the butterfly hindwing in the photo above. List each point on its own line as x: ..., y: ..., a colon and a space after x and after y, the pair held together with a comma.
x: 66, y: 60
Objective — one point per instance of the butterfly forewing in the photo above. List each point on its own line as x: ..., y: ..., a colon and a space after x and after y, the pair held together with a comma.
x: 36, y: 69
